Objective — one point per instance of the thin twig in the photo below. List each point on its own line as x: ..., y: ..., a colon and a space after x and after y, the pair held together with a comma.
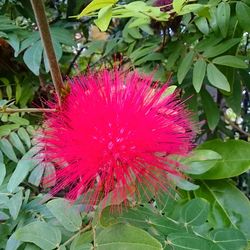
x: 88, y: 227
x: 165, y: 40
x: 27, y: 110
x: 74, y: 60
x: 42, y: 23
x: 238, y: 128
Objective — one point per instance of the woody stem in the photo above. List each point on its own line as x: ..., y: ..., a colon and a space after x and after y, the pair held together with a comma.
x: 42, y: 23
x: 27, y: 110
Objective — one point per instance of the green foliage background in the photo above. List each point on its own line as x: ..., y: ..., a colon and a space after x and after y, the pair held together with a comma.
x: 203, y: 47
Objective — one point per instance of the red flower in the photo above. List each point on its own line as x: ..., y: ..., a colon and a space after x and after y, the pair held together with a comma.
x: 167, y: 5
x: 113, y: 135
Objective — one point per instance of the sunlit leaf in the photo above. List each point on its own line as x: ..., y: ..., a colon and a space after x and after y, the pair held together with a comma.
x: 96, y: 5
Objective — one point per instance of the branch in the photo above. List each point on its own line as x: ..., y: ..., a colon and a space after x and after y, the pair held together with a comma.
x: 42, y: 23
x: 74, y: 60
x: 238, y: 128
x: 27, y: 110
x: 88, y: 227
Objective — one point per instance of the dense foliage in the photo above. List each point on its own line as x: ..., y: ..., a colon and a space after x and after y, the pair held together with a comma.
x: 202, y: 49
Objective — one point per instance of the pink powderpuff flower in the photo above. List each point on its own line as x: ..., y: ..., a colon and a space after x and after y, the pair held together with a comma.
x: 113, y: 137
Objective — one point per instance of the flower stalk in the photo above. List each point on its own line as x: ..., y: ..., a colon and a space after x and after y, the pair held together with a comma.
x: 27, y: 110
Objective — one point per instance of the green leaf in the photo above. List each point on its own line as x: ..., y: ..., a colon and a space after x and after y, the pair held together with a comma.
x: 210, y: 108
x: 21, y: 171
x: 96, y: 5
x: 33, y: 57
x: 2, y: 172
x: 140, y: 22
x: 32, y: 247
x: 111, y: 44
x: 36, y: 175
x: 243, y: 15
x: 8, y: 150
x: 4, y: 35
x: 95, y: 47
x: 19, y: 120
x: 229, y: 238
x: 149, y: 57
x: 141, y: 52
x: 182, y: 241
x: 234, y: 100
x: 5, y: 81
x: 182, y: 183
x: 199, y: 74
x: 177, y: 5
x: 219, y: 49
x: 31, y: 130
x: 62, y: 35
x: 229, y: 165
x: 144, y: 217
x: 213, y: 19
x: 185, y: 66
x: 246, y: 1
x: 200, y: 161
x: 231, y: 61
x: 192, y: 8
x: 230, y: 207
x: 24, y: 136
x: 41, y: 234
x: 136, y: 6
x: 3, y: 217
x: 9, y: 91
x: 169, y: 91
x: 134, y: 32
x: 122, y: 236
x: 32, y: 152
x: 223, y: 17
x: 4, y: 199
x: 195, y: 212
x: 201, y: 23
x: 28, y: 92
x: 68, y: 216
x: 33, y: 37
x: 14, y: 42
x: 15, y: 204
x: 1, y: 157
x: 216, y: 78
x: 50, y: 172
x: 4, y: 130
x: 104, y: 18
x: 7, y: 24
x: 208, y: 42
x: 177, y: 50
x: 12, y: 243
x: 82, y: 241
x: 16, y: 142
x: 165, y: 225
x: 136, y: 216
